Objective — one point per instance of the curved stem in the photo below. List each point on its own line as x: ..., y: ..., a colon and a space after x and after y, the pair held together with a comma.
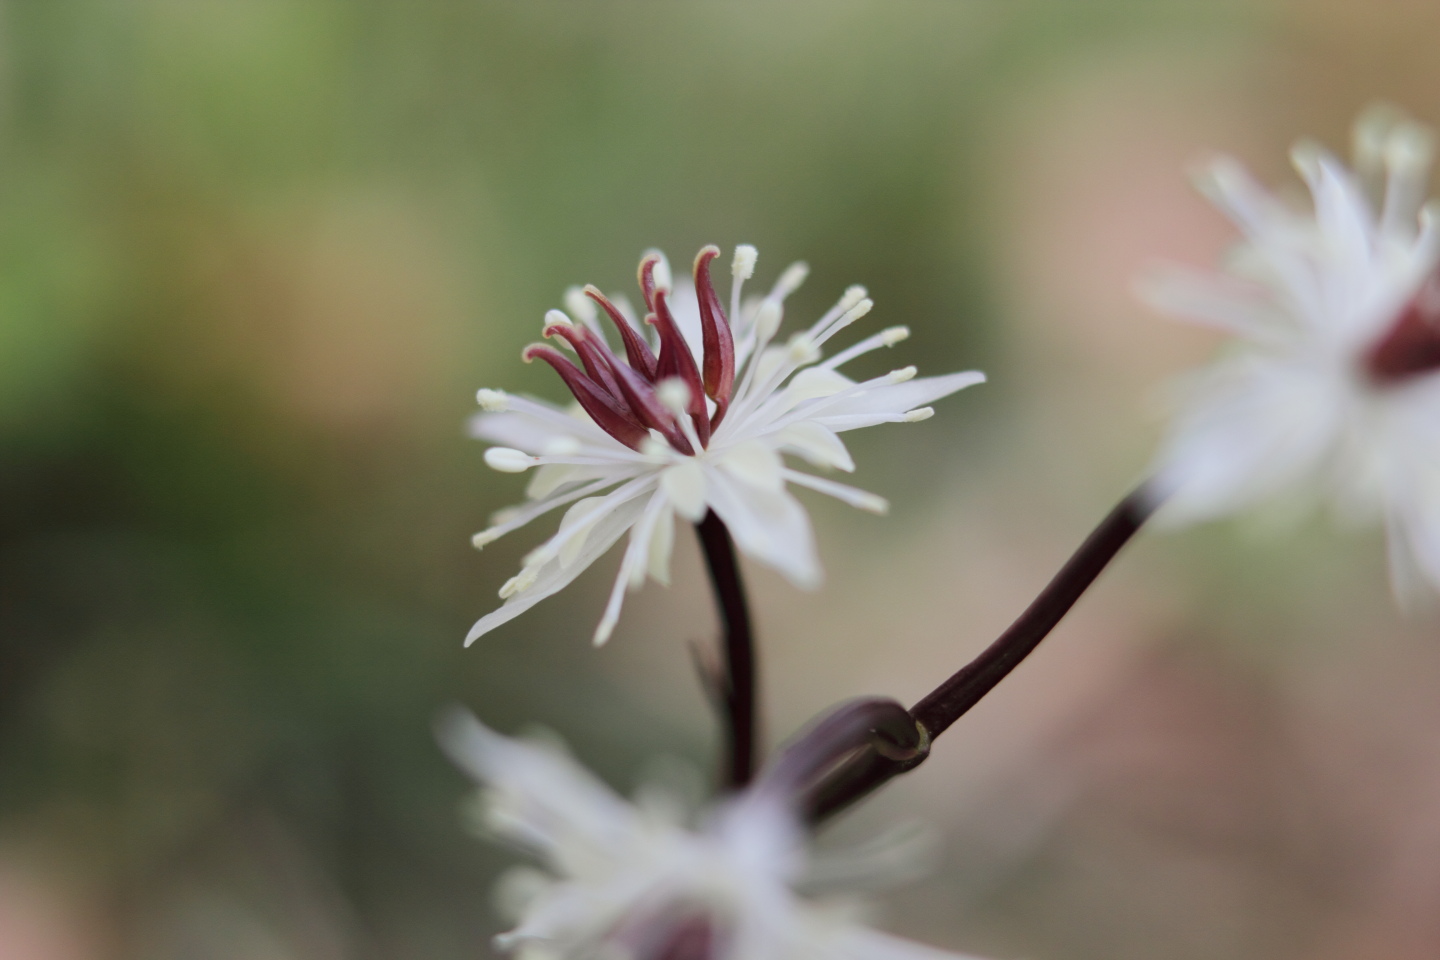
x: 738, y: 682
x: 947, y: 702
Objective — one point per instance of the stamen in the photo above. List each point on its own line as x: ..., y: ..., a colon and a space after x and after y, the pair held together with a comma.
x: 650, y: 407
x: 508, y: 460
x: 493, y: 401
x: 601, y: 406
x: 637, y: 351
x: 718, y: 341
x: 743, y: 266
x: 919, y: 413
x: 595, y: 356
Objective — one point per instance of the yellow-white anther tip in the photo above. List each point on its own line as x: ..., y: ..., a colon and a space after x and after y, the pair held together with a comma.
x: 802, y: 349
x: 853, y: 295
x: 655, y: 446
x: 674, y: 394
x: 903, y: 374
x: 484, y: 538
x: 579, y: 305
x: 793, y: 276
x: 495, y: 401
x: 919, y: 413
x: 860, y: 309
x: 767, y: 318
x: 603, y: 632
x: 743, y: 266
x: 873, y: 503
x: 894, y: 335
x: 508, y: 460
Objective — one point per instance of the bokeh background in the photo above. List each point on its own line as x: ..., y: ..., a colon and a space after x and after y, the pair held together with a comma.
x: 257, y: 255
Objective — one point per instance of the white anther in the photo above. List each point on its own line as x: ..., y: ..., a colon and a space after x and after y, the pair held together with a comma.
x: 485, y: 537
x: 655, y: 446
x: 901, y: 375
x: 853, y: 295
x: 561, y: 447
x: 1409, y: 146
x: 508, y: 460
x: 495, y: 401
x: 1306, y: 155
x: 674, y: 393
x: 743, y: 266
x: 791, y: 279
x: 802, y: 349
x: 580, y: 306
x: 661, y: 273
x: 767, y: 318
x: 893, y: 335
x: 871, y: 502
x: 919, y: 413
x: 859, y: 310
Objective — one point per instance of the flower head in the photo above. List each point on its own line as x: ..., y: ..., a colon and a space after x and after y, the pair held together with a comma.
x: 631, y: 881
x: 1333, y: 383
x: 659, y: 433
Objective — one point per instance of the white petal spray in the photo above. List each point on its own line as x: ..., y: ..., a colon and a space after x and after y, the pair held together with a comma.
x: 658, y: 434
x: 1332, y: 384
x: 625, y: 880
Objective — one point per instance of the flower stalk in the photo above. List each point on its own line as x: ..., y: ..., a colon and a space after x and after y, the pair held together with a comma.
x: 967, y: 686
x: 738, y: 683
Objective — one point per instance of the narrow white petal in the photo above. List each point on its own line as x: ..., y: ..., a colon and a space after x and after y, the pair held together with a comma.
x: 770, y: 526
x: 662, y: 543
x: 684, y: 483
x: 890, y: 399
x: 817, y: 444
x: 754, y: 462
x: 855, y: 497
x: 552, y: 577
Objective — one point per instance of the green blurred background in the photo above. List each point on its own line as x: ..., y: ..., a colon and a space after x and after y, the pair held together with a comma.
x: 257, y: 255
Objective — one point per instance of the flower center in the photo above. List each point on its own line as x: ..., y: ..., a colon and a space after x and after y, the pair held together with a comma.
x: 1411, y: 346
x: 630, y: 398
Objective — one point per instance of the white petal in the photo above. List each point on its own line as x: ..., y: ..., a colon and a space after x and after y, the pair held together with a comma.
x: 754, y: 462
x: 552, y: 577
x: 1251, y: 428
x: 662, y: 542
x: 547, y: 800
x: 578, y: 521
x: 684, y: 484
x: 770, y: 526
x: 890, y: 399
x: 817, y: 444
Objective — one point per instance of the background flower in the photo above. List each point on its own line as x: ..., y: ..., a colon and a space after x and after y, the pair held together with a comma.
x: 256, y: 256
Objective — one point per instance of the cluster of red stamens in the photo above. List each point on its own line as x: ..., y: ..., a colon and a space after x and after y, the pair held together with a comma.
x: 1412, y: 344
x: 622, y: 398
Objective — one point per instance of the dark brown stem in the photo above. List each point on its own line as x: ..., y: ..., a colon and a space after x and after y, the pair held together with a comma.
x: 949, y: 701
x: 738, y: 681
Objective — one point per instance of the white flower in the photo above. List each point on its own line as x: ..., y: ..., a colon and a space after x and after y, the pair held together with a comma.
x: 629, y: 881
x: 658, y: 434
x: 1332, y: 387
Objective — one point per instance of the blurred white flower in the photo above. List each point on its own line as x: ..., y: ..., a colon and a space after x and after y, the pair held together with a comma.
x: 1331, y: 389
x: 631, y: 881
x: 665, y: 434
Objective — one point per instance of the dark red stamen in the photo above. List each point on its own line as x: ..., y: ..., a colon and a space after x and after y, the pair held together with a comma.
x: 1412, y: 345
x: 676, y: 361
x: 647, y: 280
x: 594, y: 356
x: 602, y: 407
x: 719, y: 343
x: 637, y: 351
x: 646, y: 406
